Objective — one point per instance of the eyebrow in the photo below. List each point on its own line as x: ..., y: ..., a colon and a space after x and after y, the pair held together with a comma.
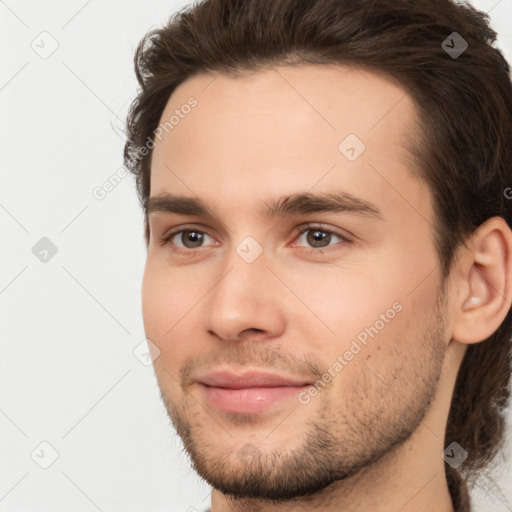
x: 294, y: 204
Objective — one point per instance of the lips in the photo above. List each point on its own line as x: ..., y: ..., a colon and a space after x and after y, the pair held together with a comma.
x: 249, y: 392
x: 230, y: 380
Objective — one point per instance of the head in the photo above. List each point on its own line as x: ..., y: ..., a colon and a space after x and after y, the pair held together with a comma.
x: 252, y: 108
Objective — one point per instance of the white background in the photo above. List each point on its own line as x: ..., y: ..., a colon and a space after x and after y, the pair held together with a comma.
x: 68, y: 374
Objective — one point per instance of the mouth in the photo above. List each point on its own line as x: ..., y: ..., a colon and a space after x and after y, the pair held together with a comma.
x: 249, y: 400
x: 249, y: 392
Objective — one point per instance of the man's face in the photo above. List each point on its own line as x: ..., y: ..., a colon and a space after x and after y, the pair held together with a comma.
x: 343, y: 304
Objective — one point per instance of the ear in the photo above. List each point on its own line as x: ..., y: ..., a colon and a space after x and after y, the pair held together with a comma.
x: 483, y: 278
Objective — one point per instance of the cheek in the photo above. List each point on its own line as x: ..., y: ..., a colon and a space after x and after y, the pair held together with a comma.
x: 373, y: 366
x: 155, y: 302
x: 340, y: 302
x: 167, y: 297
x: 164, y: 308
x: 365, y: 316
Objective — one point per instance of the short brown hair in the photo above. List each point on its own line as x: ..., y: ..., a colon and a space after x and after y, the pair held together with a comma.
x: 463, y: 149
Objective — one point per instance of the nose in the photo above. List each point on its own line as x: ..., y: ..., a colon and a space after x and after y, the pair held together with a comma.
x: 247, y: 299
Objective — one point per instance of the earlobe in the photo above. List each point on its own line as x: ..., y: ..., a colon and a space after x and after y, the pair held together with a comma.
x: 485, y: 293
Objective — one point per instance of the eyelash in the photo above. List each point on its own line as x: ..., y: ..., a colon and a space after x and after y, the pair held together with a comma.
x: 166, y: 239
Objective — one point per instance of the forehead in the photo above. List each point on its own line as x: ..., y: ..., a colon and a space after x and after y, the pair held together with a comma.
x: 288, y: 130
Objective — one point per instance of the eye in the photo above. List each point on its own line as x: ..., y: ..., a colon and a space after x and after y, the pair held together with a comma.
x: 320, y: 238
x: 192, y: 240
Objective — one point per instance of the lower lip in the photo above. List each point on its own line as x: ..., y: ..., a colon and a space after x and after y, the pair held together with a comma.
x: 249, y: 400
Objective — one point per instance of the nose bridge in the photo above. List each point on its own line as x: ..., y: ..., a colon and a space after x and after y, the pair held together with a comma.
x: 242, y: 297
x: 244, y: 273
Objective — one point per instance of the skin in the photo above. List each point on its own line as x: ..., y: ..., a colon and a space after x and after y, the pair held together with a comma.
x: 372, y: 439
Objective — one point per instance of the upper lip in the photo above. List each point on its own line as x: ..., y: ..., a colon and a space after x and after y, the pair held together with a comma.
x: 249, y: 379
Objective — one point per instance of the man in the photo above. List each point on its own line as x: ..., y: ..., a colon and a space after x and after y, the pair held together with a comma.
x: 326, y: 187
